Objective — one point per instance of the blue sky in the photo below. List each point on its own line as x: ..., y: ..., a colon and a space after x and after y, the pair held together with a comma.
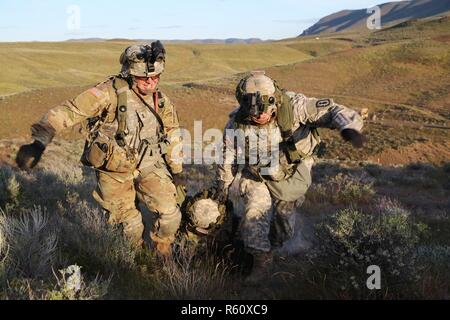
x: 52, y: 20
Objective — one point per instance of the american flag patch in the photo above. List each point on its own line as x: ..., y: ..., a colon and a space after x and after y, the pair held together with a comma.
x: 96, y: 92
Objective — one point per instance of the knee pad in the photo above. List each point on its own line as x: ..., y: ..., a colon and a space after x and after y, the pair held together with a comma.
x: 168, y: 223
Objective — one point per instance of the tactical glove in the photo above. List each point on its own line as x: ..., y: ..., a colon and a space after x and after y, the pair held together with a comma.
x: 29, y: 155
x: 357, y: 139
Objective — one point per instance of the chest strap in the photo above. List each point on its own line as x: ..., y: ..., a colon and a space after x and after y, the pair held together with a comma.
x: 121, y: 86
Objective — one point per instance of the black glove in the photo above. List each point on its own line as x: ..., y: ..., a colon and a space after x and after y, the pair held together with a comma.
x: 178, y: 179
x: 29, y: 155
x: 220, y: 193
x: 357, y: 139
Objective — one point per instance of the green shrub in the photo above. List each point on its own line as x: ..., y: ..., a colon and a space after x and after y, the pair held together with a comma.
x: 9, y: 188
x: 71, y: 285
x: 446, y: 168
x: 34, y: 289
x: 342, y: 190
x: 3, y: 254
x: 436, y: 258
x: 350, y: 241
x: 435, y: 282
x: 31, y: 243
x: 89, y: 240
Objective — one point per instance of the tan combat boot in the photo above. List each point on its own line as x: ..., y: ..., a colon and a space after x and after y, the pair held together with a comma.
x: 262, y: 264
x: 164, y: 249
x: 163, y: 246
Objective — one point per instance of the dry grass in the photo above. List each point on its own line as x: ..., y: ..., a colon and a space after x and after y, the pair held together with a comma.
x: 69, y: 229
x: 190, y: 276
x: 402, y: 80
x: 40, y: 65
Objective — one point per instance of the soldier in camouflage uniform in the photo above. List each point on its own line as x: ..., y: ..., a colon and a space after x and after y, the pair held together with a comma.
x: 133, y: 144
x: 287, y: 123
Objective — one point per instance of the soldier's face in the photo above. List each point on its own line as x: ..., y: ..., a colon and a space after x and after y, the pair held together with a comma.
x: 264, y: 118
x: 146, y: 85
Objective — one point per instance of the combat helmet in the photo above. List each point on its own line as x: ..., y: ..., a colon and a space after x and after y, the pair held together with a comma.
x: 257, y: 93
x: 204, y: 215
x: 143, y: 60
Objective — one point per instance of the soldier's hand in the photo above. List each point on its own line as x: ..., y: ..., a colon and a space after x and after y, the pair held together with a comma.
x: 221, y: 193
x: 178, y: 179
x: 29, y: 155
x: 356, y: 138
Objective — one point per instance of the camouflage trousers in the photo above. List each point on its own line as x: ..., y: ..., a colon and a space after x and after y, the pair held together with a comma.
x: 268, y: 222
x: 155, y: 189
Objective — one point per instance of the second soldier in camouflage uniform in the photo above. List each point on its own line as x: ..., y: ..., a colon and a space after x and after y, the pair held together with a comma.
x: 289, y: 121
x: 132, y: 144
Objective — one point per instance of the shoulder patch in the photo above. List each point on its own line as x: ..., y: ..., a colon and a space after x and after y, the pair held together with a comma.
x: 96, y: 92
x: 323, y: 103
x: 104, y: 84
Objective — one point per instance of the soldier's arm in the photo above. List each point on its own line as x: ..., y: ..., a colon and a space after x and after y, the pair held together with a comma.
x: 325, y: 113
x: 226, y: 171
x: 89, y: 103
x: 174, y: 156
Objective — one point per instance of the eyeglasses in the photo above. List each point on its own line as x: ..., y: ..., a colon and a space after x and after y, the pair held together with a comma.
x: 154, y: 78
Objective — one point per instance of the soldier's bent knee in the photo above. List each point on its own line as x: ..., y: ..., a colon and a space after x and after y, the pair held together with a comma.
x: 168, y: 223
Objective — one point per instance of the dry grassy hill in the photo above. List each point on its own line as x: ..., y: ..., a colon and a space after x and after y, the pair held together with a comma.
x: 27, y: 66
x: 401, y: 74
x: 392, y: 13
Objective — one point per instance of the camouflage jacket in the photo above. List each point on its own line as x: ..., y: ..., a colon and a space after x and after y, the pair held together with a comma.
x: 101, y: 100
x: 309, y: 114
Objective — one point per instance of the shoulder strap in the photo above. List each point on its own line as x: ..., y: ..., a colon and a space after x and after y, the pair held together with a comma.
x: 285, y: 116
x: 92, y: 125
x: 160, y: 100
x: 121, y: 86
x: 285, y: 120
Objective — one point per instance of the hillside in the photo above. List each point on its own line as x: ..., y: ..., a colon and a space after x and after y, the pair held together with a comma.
x: 392, y: 13
x: 401, y: 74
x: 27, y: 66
x: 191, y: 41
